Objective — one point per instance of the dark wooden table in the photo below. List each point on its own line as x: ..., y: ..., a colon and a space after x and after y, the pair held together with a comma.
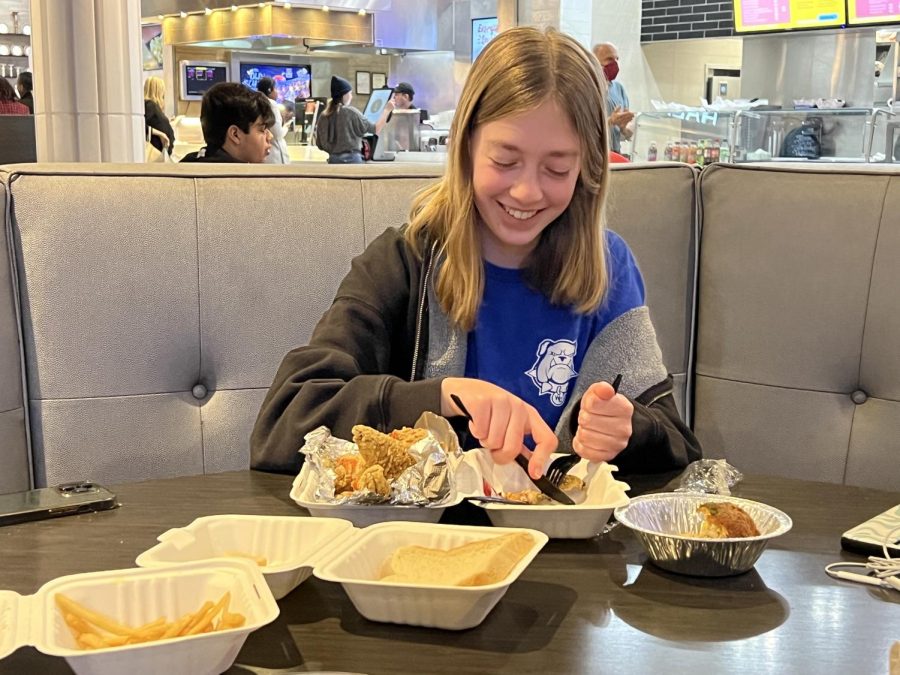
x: 592, y: 606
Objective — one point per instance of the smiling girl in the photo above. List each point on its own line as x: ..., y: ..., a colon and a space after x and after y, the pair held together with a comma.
x: 504, y: 289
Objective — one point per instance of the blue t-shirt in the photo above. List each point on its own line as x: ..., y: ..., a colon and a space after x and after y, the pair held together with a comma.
x: 534, y: 349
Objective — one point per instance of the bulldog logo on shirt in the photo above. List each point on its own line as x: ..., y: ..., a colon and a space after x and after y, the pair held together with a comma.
x: 553, y: 369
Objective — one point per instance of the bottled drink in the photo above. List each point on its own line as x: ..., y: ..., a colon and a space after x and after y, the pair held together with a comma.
x: 667, y: 152
x: 652, y: 152
x: 676, y: 152
x: 699, y: 157
x: 691, y: 149
x: 724, y: 152
x: 714, y: 152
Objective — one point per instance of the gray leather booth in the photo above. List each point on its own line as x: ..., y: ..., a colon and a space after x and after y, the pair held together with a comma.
x: 155, y: 303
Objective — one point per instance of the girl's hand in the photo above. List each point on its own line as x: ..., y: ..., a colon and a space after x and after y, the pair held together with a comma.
x: 500, y: 421
x: 604, y: 423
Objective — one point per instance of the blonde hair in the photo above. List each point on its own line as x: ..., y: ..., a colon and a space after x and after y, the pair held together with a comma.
x: 155, y: 90
x: 519, y: 70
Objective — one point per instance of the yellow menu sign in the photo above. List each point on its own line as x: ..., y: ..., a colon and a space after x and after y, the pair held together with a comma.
x: 763, y: 15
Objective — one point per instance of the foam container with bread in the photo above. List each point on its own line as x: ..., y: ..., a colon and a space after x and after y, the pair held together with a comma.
x: 138, y: 596
x: 584, y: 520
x: 291, y: 545
x: 358, y: 563
x: 363, y: 515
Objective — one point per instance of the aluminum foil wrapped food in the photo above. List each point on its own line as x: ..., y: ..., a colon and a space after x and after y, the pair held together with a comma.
x: 408, y: 466
x: 709, y: 476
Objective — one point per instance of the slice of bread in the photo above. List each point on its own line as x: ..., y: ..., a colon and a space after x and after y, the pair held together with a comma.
x: 478, y: 563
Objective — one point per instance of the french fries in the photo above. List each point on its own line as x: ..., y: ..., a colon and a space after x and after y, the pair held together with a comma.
x: 93, y: 630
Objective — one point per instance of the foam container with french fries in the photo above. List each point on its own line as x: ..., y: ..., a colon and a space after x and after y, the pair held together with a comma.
x: 359, y: 565
x: 285, y: 548
x: 593, y: 506
x: 119, y: 621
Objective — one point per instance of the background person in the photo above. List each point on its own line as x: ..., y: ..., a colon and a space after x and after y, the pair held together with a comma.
x: 9, y: 102
x: 279, y: 152
x: 162, y: 136
x: 236, y: 123
x: 340, y: 128
x: 403, y: 96
x: 617, y: 99
x: 25, y: 87
x: 505, y: 289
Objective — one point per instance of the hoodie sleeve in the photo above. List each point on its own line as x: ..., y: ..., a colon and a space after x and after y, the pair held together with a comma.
x: 350, y: 373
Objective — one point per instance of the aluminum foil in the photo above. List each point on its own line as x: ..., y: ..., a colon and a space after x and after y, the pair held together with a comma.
x: 428, y: 482
x: 710, y: 476
x: 662, y: 523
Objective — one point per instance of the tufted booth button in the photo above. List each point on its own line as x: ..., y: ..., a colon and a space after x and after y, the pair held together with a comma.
x: 199, y: 391
x: 859, y: 397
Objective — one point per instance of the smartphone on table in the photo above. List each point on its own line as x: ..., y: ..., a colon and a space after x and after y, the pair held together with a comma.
x: 51, y: 502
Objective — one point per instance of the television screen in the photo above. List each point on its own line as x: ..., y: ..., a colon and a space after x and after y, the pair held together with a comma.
x: 483, y: 31
x: 873, y: 11
x: 291, y: 81
x: 198, y: 76
x: 775, y: 15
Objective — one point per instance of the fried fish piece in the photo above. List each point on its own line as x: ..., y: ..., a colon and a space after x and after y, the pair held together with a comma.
x: 571, y: 484
x: 378, y: 448
x: 347, y: 469
x: 722, y: 520
x: 408, y: 435
x: 372, y: 478
x: 530, y: 497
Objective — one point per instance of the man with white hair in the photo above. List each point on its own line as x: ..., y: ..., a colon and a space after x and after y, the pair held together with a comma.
x: 617, y: 99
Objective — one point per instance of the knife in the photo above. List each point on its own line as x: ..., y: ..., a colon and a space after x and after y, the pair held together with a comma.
x: 542, y: 483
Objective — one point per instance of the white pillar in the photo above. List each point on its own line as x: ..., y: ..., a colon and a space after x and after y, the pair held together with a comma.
x: 87, y: 80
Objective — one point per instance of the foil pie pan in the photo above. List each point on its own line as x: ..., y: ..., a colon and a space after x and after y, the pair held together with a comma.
x: 663, y: 523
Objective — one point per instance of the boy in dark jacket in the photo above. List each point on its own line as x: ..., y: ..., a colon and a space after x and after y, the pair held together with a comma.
x: 236, y: 124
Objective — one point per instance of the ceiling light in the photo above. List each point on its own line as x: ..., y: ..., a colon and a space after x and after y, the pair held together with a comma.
x: 261, y: 5
x: 207, y: 11
x: 362, y: 12
x: 160, y: 17
x: 27, y: 29
x: 234, y: 8
x: 4, y: 50
x: 183, y: 14
x: 287, y: 5
x: 4, y: 28
x: 325, y: 8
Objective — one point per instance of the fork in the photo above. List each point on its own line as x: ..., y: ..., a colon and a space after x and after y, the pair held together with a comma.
x: 560, y: 466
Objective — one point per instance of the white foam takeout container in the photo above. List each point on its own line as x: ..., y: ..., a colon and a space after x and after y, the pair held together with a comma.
x: 136, y: 597
x: 291, y: 545
x: 358, y: 562
x: 584, y: 520
x: 362, y: 515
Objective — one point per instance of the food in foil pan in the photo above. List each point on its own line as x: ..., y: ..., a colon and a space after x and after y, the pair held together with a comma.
x: 409, y: 466
x: 725, y: 521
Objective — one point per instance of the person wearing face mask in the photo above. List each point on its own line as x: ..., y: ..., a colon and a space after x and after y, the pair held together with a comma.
x: 617, y: 100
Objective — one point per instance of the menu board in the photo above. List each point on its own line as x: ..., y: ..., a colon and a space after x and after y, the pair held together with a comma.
x: 773, y: 15
x: 873, y: 11
x: 483, y: 31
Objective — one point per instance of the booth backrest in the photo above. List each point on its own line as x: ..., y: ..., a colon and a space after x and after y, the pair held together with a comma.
x: 14, y: 457
x: 157, y: 302
x: 798, y: 347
